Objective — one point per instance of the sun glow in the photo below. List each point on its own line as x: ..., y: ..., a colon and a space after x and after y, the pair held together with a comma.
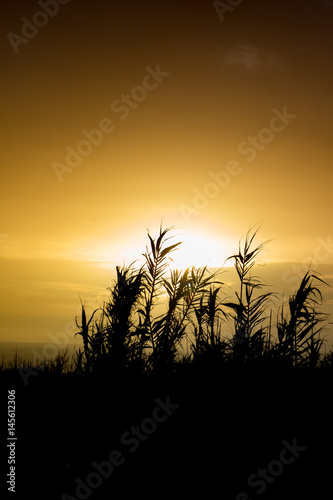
x: 200, y: 251
x: 197, y: 250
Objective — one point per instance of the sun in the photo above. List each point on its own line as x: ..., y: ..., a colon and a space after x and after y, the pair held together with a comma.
x: 198, y: 249
x: 201, y: 250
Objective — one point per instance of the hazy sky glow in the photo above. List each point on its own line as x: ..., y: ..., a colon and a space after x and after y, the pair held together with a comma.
x: 115, y: 117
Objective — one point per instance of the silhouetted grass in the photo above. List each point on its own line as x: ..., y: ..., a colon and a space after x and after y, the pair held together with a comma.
x: 128, y: 337
x: 125, y: 336
x: 298, y: 334
x: 61, y: 364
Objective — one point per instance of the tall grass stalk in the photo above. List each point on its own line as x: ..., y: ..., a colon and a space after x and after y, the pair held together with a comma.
x: 298, y: 331
x: 250, y: 310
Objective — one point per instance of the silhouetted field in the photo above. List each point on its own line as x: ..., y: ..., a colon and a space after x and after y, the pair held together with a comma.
x: 245, y: 417
x: 229, y: 421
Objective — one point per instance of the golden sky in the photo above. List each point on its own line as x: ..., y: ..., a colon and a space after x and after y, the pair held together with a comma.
x: 117, y: 116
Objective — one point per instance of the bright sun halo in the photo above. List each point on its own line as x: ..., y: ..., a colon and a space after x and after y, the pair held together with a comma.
x: 197, y: 250
x: 200, y: 251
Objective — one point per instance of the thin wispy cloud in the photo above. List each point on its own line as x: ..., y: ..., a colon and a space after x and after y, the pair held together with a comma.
x: 249, y: 57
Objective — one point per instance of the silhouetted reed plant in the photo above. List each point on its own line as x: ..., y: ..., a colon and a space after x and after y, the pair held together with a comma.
x: 251, y: 309
x: 299, y: 341
x: 127, y: 336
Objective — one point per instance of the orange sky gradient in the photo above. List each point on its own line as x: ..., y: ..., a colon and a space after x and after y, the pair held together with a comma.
x: 213, y: 125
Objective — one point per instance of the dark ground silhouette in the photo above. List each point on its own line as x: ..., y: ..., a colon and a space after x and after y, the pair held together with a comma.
x: 229, y: 422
